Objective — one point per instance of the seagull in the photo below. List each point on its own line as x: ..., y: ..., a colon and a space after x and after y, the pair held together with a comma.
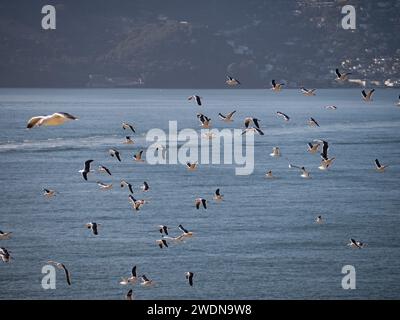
x: 128, y: 140
x: 218, y: 196
x: 379, y: 167
x: 276, y: 152
x: 85, y: 171
x: 93, y: 226
x: 196, y: 98
x: 145, y: 187
x: 48, y: 193
x: 276, y: 86
x: 62, y: 266
x: 304, y: 173
x: 285, y: 116
x: 54, y: 119
x: 398, y: 102
x: 253, y: 130
x: 138, y: 156
x: 200, y: 201
x: 126, y: 184
x: 136, y: 204
x: 269, y: 175
x: 185, y: 233
x: 132, y: 279
x: 145, y: 281
x: 204, y: 120
x: 313, y: 148
x: 325, y: 162
x: 356, y: 244
x: 367, y: 96
x: 189, y: 277
x: 162, y: 229
x: 331, y: 107
x: 325, y: 147
x: 104, y: 169
x: 313, y: 123
x: 308, y: 92
x: 318, y: 220
x: 191, y: 166
x: 115, y: 153
x: 5, y: 255
x: 162, y: 243
x: 228, y: 117
x: 232, y: 81
x: 341, y: 76
x: 5, y: 235
x: 127, y: 126
x: 129, y: 295
x: 255, y: 121
x: 104, y: 186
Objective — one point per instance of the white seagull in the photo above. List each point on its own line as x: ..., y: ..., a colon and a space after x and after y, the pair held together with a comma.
x: 232, y: 81
x: 62, y: 267
x: 313, y: 123
x: 104, y: 186
x: 189, y: 277
x: 304, y: 173
x: 379, y: 167
x: 129, y: 295
x: 48, y: 193
x: 331, y: 107
x: 276, y: 86
x: 162, y: 243
x: 128, y: 140
x: 136, y: 204
x: 115, y: 153
x: 313, y: 148
x: 356, y: 244
x: 341, y: 76
x: 228, y: 117
x: 325, y: 162
x: 145, y: 187
x: 54, y: 119
x: 93, y: 226
x: 124, y: 183
x: 256, y: 128
x: 284, y: 116
x: 146, y: 282
x: 204, y: 121
x: 185, y: 232
x: 319, y: 220
x: 131, y: 279
x: 138, y: 156
x: 104, y: 169
x: 5, y: 235
x: 367, y: 96
x: 218, y: 196
x: 86, y: 170
x: 163, y: 229
x: 307, y: 92
x: 269, y: 175
x: 276, y: 152
x: 196, y: 98
x: 127, y: 126
x: 5, y: 255
x: 200, y: 201
x: 192, y: 166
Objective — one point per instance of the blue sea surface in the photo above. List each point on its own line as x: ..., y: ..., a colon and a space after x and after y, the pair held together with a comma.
x: 261, y: 242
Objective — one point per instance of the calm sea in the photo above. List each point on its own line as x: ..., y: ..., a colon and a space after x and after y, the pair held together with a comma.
x: 260, y: 243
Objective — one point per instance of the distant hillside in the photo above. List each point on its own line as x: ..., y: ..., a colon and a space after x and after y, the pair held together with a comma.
x: 197, y: 43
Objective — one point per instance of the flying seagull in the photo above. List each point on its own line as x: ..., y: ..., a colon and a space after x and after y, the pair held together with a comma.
x: 104, y: 186
x: 228, y: 117
x: 126, y: 184
x: 145, y: 187
x: 256, y: 128
x: 313, y: 148
x: 54, y: 119
x: 93, y: 226
x: 191, y: 166
x: 269, y: 175
x: 129, y: 295
x: 162, y: 243
x: 200, y: 201
x: 307, y: 92
x: 325, y: 162
x: 232, y: 81
x: 189, y: 277
x: 62, y: 267
x: 367, y: 96
x: 5, y: 255
x: 304, y: 173
x: 218, y: 196
x: 276, y: 86
x: 48, y: 193
x: 331, y: 107
x: 138, y: 156
x: 379, y: 167
x: 341, y: 76
x: 127, y: 126
x: 86, y: 170
x: 325, y: 147
x: 185, y: 232
x: 162, y: 229
x: 104, y: 169
x: 115, y: 153
x: 128, y: 140
x: 276, y: 152
x: 196, y: 98
x: 5, y: 235
x: 284, y: 116
x: 313, y: 123
x: 204, y: 120
x: 131, y: 279
x: 356, y: 244
x: 319, y: 220
x: 146, y: 281
x: 136, y: 204
x: 398, y: 102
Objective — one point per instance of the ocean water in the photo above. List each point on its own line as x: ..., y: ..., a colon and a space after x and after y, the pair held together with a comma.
x: 261, y: 242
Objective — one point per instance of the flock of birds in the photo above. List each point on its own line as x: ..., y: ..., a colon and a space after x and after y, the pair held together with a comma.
x: 251, y: 125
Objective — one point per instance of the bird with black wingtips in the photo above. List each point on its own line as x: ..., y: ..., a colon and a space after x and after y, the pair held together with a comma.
x: 162, y: 243
x: 313, y: 147
x: 325, y: 147
x: 129, y: 295
x: 200, y: 201
x: 255, y: 129
x: 145, y: 187
x: 276, y: 152
x: 379, y: 167
x: 5, y: 235
x: 5, y: 255
x: 48, y: 193
x: 131, y: 279
x: 205, y: 121
x: 127, y: 126
x: 115, y: 153
x: 93, y: 226
x: 304, y: 173
x: 342, y: 76
x: 189, y: 276
x: 331, y: 107
x: 218, y: 196
x: 104, y: 186
x: 269, y: 175
x: 124, y: 183
x: 128, y: 140
x: 136, y: 204
x: 191, y: 166
x: 325, y: 162
x: 283, y: 115
x: 185, y: 232
x: 105, y: 169
x: 86, y: 170
x: 356, y: 244
x: 276, y: 86
x: 319, y: 220
x: 54, y: 119
x: 367, y: 96
x: 138, y: 156
x: 146, y: 282
x: 196, y: 98
x: 61, y: 266
x: 313, y: 123
x: 163, y: 229
x: 228, y: 117
x: 307, y: 92
x: 398, y: 102
x: 232, y: 81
